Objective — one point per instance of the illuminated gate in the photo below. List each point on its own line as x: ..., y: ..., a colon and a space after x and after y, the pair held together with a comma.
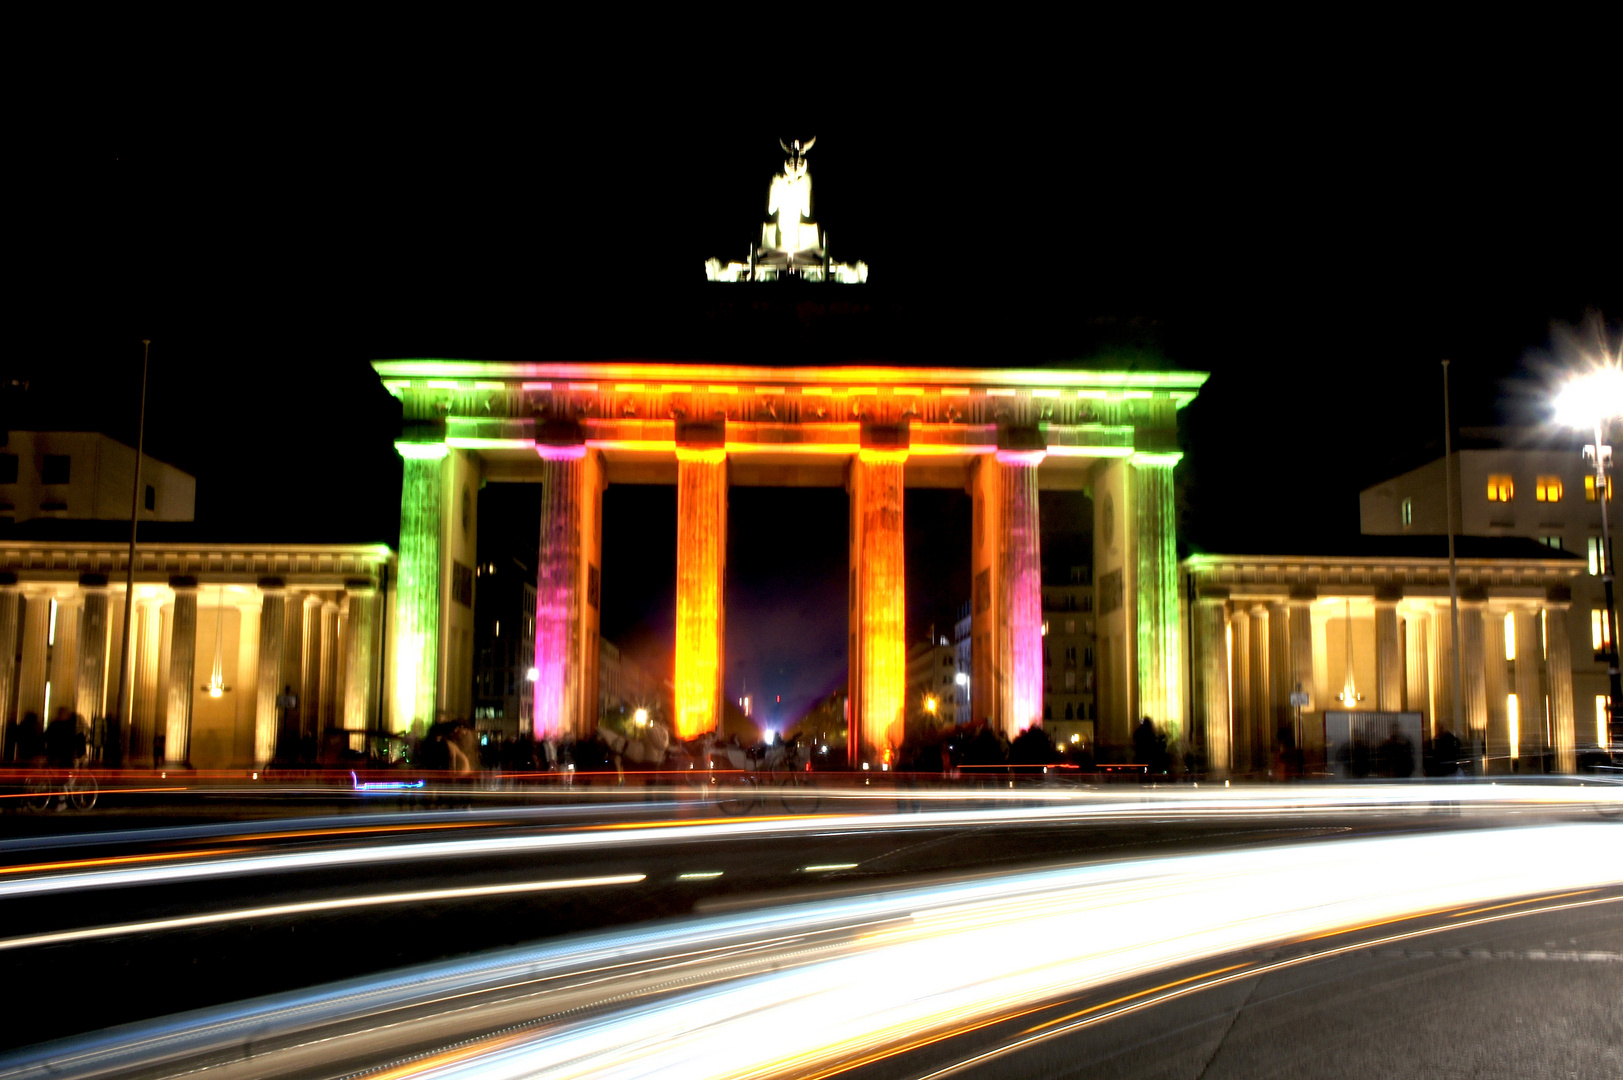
x: 1002, y: 436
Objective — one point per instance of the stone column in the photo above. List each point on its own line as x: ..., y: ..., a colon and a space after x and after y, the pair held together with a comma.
x: 65, y: 654
x: 1259, y: 737
x: 1281, y: 678
x: 269, y: 682
x: 31, y: 677
x: 1417, y: 668
x: 90, y: 695
x: 1529, y: 682
x: 1212, y: 674
x: 1020, y: 588
x: 1240, y: 690
x: 287, y: 739
x: 359, y: 660
x: 701, y: 572
x: 10, y: 611
x: 1155, y: 582
x: 182, y: 671
x: 1443, y: 678
x: 566, y: 571
x: 1496, y: 681
x: 1473, y: 604
x: 328, y: 714
x: 878, y: 659
x: 1558, y: 674
x: 1301, y: 616
x: 310, y: 663
x: 144, y: 657
x: 1388, y: 650
x: 417, y: 594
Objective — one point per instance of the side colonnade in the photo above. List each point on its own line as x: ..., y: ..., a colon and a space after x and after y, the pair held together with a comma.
x: 1279, y: 642
x: 239, y: 655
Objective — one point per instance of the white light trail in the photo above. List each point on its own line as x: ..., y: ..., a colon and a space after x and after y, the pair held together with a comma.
x: 312, y: 906
x: 1053, y: 809
x: 976, y: 951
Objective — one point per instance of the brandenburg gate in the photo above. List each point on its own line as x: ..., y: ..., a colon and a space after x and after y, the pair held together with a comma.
x: 1003, y: 436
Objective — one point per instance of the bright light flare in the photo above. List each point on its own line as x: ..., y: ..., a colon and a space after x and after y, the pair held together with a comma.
x: 1591, y: 398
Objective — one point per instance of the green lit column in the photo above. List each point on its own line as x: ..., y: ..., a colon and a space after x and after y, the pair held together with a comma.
x: 1160, y: 667
x: 417, y: 597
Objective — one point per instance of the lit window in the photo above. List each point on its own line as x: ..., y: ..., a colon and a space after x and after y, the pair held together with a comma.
x: 1602, y: 735
x: 1510, y: 636
x: 1597, y: 556
x: 1600, y: 630
x: 1551, y: 542
x: 1513, y: 714
x: 1589, y: 489
x: 1501, y: 488
x: 1070, y: 626
x: 1408, y: 513
x: 1548, y: 489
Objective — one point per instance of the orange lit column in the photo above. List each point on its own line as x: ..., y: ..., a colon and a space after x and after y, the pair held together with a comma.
x: 878, y: 602
x: 1558, y: 676
x: 701, y: 574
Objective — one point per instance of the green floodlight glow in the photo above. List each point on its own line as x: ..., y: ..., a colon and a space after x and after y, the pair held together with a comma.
x: 417, y: 596
x: 422, y: 451
x: 1159, y: 666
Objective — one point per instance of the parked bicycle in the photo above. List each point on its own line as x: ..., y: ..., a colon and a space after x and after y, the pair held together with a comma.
x: 75, y: 787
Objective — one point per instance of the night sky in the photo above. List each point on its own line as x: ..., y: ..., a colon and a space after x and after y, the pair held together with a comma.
x: 1317, y: 231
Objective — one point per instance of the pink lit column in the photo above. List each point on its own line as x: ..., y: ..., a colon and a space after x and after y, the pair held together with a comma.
x: 557, y: 592
x: 1020, y: 575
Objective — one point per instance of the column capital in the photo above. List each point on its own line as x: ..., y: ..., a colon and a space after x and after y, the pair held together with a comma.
x: 1388, y: 594
x: 183, y: 583
x: 272, y: 585
x: 362, y: 586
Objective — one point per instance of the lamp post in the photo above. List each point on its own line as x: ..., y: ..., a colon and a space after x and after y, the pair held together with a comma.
x: 1588, y: 402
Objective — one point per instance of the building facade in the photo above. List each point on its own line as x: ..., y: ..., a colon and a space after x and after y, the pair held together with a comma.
x: 220, y: 635
x: 932, y: 696
x: 1068, y: 656
x: 1545, y: 493
x: 1377, y: 634
x: 504, y: 646
x: 84, y: 475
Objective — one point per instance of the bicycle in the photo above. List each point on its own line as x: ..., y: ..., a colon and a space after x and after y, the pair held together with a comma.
x: 74, y: 787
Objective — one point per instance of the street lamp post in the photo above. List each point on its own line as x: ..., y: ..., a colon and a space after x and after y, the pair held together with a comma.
x: 1614, y: 704
x: 1589, y: 402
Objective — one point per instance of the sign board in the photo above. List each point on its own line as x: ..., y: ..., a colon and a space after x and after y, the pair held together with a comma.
x: 1373, y: 745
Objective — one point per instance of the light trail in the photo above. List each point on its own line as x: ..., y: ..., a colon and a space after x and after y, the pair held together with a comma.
x: 837, y: 981
x: 1240, y: 803
x: 312, y: 906
x: 963, y: 954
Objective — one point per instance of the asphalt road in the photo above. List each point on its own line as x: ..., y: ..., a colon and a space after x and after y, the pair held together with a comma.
x: 1536, y: 995
x: 414, y: 902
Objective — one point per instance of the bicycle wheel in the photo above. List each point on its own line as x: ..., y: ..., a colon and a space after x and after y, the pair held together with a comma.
x: 37, y: 793
x: 798, y: 795
x: 738, y: 796
x: 81, y: 790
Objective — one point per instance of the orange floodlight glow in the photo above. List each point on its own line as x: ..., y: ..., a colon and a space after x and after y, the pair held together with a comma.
x: 882, y: 574
x: 701, y: 551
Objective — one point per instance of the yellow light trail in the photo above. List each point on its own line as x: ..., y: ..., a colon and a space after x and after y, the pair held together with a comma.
x: 309, y: 907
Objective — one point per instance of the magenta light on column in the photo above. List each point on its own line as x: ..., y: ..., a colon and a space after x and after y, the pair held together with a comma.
x: 557, y: 591
x: 1023, y: 580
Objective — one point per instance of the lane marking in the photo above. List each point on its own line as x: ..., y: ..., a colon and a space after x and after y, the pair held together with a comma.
x: 1131, y: 997
x: 705, y: 875
x: 1518, y: 903
x: 276, y: 910
x: 828, y: 866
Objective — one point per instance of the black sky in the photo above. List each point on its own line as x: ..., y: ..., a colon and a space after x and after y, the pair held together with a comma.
x: 1316, y: 225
